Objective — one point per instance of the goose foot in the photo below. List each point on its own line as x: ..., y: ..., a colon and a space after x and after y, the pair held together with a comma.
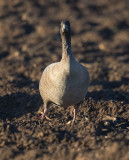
x: 43, y: 116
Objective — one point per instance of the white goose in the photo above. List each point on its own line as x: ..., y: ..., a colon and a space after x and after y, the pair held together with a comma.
x: 64, y: 83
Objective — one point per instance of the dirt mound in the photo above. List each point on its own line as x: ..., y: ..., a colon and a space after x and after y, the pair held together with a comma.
x: 29, y: 41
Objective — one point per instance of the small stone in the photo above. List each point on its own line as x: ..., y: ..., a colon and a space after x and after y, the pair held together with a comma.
x: 102, y: 46
x: 16, y: 53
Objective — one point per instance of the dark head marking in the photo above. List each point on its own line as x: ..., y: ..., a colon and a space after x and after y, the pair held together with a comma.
x: 65, y: 27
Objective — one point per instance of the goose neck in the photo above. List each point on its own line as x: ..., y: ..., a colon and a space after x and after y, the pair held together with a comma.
x: 66, y: 50
x: 66, y: 46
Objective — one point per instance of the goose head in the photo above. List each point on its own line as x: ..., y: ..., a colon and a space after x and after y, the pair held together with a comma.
x: 65, y: 30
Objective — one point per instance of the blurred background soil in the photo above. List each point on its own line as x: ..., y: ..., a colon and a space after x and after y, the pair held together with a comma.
x: 29, y: 41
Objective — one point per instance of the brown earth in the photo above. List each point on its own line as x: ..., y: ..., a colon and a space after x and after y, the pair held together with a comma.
x: 29, y: 41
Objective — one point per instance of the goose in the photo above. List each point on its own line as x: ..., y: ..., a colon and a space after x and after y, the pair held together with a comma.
x: 64, y: 83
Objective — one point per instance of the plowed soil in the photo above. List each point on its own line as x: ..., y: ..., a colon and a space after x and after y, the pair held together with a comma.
x: 29, y: 41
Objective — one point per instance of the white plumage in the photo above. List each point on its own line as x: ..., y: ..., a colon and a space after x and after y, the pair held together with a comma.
x: 64, y: 83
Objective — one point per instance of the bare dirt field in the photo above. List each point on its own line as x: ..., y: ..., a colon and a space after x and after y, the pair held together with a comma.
x: 29, y: 41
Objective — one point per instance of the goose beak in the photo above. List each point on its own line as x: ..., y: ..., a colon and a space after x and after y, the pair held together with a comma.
x: 65, y: 28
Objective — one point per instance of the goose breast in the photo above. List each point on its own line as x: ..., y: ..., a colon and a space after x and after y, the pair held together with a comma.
x: 64, y: 84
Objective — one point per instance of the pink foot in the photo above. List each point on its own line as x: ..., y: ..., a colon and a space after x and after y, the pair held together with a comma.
x: 43, y: 117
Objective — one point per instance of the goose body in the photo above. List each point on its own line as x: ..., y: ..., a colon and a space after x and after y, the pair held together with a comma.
x: 64, y: 83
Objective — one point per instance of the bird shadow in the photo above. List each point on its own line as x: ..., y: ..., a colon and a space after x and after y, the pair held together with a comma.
x: 27, y: 100
x: 18, y: 104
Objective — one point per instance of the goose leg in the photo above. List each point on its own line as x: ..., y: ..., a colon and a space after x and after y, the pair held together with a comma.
x: 75, y: 113
x: 43, y: 116
x: 74, y: 117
